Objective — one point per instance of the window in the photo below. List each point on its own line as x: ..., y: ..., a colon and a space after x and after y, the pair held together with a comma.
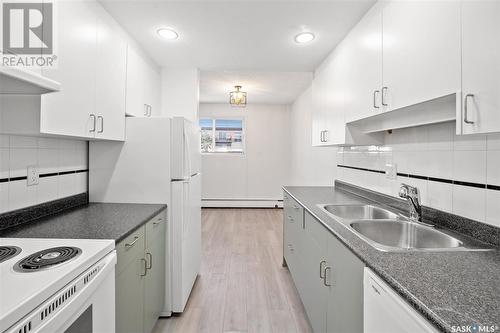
x: 222, y: 135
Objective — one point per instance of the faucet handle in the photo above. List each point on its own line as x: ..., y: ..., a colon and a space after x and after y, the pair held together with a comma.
x: 403, y: 191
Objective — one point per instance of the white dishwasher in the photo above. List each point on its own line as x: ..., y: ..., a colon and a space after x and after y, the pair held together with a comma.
x: 387, y: 312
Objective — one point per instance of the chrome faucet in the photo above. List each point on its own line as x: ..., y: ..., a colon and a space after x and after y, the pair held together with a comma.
x: 411, y: 194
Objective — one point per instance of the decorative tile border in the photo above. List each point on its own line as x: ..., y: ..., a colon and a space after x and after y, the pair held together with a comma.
x: 434, y: 179
x: 43, y: 175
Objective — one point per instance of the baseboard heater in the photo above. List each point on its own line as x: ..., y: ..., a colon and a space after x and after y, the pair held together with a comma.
x: 242, y: 203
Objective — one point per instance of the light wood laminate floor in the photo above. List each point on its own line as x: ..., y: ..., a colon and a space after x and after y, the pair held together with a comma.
x: 242, y: 286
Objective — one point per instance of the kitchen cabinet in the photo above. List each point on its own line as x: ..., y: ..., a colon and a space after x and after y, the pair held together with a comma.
x: 478, y: 111
x: 328, y: 101
x: 344, y: 276
x: 154, y: 293
x: 110, y: 79
x: 387, y: 312
x: 313, y: 261
x: 71, y: 111
x: 143, y: 86
x: 421, y: 52
x: 363, y: 85
x: 293, y: 220
x: 91, y: 68
x: 140, y: 277
x: 327, y: 275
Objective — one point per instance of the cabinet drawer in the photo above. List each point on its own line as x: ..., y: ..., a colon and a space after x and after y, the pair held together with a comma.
x: 130, y: 248
x: 155, y: 228
x: 292, y: 211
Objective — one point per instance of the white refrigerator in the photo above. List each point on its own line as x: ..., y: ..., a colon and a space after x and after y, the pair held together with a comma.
x: 159, y: 162
x: 185, y: 174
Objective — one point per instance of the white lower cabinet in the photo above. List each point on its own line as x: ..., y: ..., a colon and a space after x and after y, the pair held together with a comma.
x: 386, y: 312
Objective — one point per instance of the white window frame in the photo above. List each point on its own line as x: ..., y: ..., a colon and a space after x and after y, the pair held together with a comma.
x: 243, y: 141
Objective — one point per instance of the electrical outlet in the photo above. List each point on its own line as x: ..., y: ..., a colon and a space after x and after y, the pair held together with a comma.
x: 33, y: 176
x: 390, y: 171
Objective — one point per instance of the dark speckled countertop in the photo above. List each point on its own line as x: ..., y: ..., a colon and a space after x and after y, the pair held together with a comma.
x: 93, y: 221
x: 448, y: 288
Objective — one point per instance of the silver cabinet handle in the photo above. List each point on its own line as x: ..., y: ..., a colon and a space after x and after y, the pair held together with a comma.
x: 375, y: 92
x: 466, y: 109
x: 150, y: 110
x: 102, y: 124
x: 145, y: 109
x: 321, y: 263
x: 145, y: 267
x: 326, y: 136
x: 150, y: 260
x: 129, y: 245
x: 321, y: 136
x: 92, y: 117
x: 384, y: 89
x: 325, y: 276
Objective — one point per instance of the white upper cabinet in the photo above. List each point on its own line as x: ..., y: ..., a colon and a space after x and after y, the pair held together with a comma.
x: 318, y: 111
x: 91, y: 69
x: 336, y: 74
x: 110, y: 79
x: 143, y: 86
x: 363, y: 85
x: 69, y: 111
x: 328, y: 98
x: 479, y: 111
x: 421, y: 51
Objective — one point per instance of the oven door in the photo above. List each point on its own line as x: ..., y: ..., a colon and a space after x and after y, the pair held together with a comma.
x: 86, y: 305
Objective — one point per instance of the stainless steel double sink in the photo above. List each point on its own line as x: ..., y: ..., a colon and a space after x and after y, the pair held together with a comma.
x: 386, y: 230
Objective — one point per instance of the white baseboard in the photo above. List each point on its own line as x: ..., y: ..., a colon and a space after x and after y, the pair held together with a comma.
x: 241, y: 203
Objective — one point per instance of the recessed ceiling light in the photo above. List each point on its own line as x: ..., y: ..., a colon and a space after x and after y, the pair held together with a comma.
x: 167, y: 34
x: 304, y: 37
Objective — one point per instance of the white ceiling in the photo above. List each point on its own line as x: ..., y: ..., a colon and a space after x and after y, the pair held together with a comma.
x: 261, y: 87
x: 239, y: 35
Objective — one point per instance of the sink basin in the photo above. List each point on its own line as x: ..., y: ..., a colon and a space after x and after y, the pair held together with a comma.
x: 403, y: 235
x: 359, y: 212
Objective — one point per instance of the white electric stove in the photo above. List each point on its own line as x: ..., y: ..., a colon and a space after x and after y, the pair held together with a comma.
x: 57, y: 285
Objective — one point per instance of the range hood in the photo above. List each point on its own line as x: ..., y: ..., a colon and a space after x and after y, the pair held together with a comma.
x: 16, y: 81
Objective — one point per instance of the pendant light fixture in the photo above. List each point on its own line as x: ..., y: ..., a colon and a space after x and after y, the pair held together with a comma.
x: 238, y: 98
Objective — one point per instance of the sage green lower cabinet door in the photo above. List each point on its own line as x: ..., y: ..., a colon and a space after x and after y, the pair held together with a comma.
x: 345, y: 294
x: 154, y: 294
x: 130, y: 298
x: 313, y: 292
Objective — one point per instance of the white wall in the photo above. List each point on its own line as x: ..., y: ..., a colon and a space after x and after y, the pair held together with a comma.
x: 434, y: 151
x: 260, y: 173
x: 308, y: 165
x: 180, y: 92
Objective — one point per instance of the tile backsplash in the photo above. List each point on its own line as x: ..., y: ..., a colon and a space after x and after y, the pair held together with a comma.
x: 457, y: 174
x: 61, y: 163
